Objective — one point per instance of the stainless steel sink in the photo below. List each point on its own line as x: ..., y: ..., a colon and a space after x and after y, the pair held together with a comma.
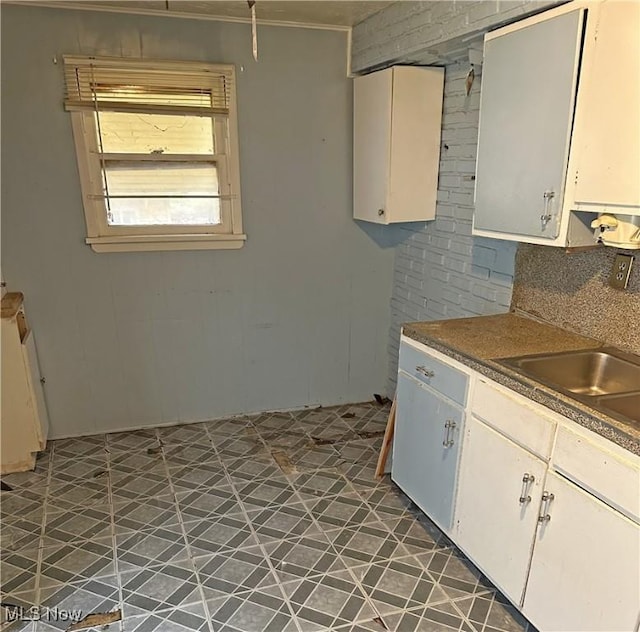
x: 606, y: 379
x: 627, y: 405
x: 591, y: 373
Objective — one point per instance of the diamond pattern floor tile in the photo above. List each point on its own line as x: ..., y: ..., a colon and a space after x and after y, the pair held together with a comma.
x: 248, y: 446
x: 491, y: 612
x: 418, y: 535
x: 242, y: 470
x: 143, y: 484
x: 282, y: 522
x: 141, y: 549
x: 197, y: 475
x: 348, y: 510
x: 165, y: 587
x: 85, y: 493
x: 137, y: 441
x: 185, y: 433
x: 321, y: 484
x: 303, y: 557
x: 203, y: 504
x: 78, y: 448
x: 78, y: 470
x: 457, y: 576
x: 139, y: 514
x: 328, y: 601
x: 439, y: 618
x: 92, y: 595
x: 72, y: 562
x: 263, y: 610
x: 232, y: 427
x: 262, y: 493
x: 190, y: 618
x: 230, y: 572
x: 78, y: 524
x: 245, y: 524
x: 390, y: 502
x: 365, y: 544
x: 219, y: 533
x: 18, y: 570
x: 399, y: 585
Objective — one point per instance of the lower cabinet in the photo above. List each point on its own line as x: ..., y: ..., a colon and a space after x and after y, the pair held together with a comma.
x: 497, y: 506
x: 585, y: 571
x: 566, y: 553
x: 425, y: 448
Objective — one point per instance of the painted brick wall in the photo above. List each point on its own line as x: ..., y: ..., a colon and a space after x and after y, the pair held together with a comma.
x: 441, y: 271
x: 406, y: 30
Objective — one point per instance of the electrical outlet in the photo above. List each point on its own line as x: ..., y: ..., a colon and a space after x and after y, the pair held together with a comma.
x: 620, y: 272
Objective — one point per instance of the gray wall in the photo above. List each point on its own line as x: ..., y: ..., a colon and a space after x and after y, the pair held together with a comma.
x: 440, y: 270
x: 299, y: 316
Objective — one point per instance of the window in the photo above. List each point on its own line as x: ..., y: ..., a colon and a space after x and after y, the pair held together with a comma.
x: 157, y: 150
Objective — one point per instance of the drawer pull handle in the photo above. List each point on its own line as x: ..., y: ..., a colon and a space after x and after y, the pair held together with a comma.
x: 544, y: 516
x: 449, y: 427
x: 426, y: 372
x: 527, y: 479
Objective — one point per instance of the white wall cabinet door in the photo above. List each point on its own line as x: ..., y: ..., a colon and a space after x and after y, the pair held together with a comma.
x: 397, y: 116
x: 425, y: 449
x: 585, y: 572
x: 527, y: 103
x: 496, y: 511
x: 607, y: 167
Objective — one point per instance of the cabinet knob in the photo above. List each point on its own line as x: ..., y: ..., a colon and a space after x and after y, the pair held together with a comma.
x: 380, y: 212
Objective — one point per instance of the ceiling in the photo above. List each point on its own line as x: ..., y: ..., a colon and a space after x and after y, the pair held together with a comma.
x: 340, y: 13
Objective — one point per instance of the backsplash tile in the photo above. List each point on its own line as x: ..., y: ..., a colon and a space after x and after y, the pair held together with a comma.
x: 571, y: 290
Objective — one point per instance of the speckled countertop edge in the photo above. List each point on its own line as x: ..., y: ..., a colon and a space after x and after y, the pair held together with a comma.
x: 616, y: 431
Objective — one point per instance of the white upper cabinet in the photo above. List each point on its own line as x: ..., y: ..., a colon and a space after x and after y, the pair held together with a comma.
x: 396, y: 144
x: 559, y: 134
x: 607, y: 131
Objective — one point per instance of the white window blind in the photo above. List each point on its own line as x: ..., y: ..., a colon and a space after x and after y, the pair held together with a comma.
x: 137, y: 86
x: 158, y: 133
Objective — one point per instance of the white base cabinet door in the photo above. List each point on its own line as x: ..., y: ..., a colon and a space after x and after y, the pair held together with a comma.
x: 425, y: 449
x: 585, y: 571
x: 497, y: 508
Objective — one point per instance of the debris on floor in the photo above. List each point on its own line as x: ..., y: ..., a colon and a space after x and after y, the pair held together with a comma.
x: 95, y: 619
x: 283, y: 461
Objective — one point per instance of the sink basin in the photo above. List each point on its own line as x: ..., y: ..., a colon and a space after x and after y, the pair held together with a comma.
x: 627, y: 405
x: 590, y: 373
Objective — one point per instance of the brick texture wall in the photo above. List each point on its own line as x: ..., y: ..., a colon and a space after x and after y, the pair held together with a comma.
x: 440, y: 270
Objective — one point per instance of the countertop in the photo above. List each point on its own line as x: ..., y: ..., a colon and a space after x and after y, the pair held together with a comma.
x: 480, y: 342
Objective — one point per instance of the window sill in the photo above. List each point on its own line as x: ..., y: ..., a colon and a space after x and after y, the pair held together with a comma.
x: 133, y: 243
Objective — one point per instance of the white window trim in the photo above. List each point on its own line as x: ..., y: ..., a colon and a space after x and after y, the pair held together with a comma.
x: 104, y: 238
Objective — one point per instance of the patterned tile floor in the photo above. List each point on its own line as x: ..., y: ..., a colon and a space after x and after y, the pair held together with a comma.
x: 267, y: 523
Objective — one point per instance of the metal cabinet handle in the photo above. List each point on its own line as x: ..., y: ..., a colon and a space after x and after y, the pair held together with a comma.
x: 527, y: 479
x: 544, y: 516
x: 426, y: 372
x: 449, y: 427
x: 547, y: 216
x: 380, y: 212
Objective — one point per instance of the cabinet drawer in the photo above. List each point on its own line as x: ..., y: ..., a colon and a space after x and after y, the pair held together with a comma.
x: 518, y: 418
x: 438, y: 375
x: 610, y: 477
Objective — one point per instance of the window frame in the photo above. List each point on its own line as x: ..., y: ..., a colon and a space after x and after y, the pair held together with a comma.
x: 102, y: 236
